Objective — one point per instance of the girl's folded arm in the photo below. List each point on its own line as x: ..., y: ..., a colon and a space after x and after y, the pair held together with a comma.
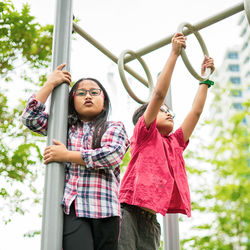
x: 114, y: 145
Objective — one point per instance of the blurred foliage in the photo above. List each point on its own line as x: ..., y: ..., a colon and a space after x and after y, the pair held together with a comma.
x: 223, y: 197
x: 22, y: 40
x: 20, y: 158
x: 125, y: 161
x: 25, y: 49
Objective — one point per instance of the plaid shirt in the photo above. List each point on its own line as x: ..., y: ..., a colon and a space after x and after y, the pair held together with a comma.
x: 94, y: 187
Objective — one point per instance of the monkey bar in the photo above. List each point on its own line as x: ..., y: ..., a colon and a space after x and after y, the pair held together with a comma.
x: 185, y: 28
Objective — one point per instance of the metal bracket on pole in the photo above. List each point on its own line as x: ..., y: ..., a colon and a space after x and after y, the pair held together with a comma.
x: 52, y: 226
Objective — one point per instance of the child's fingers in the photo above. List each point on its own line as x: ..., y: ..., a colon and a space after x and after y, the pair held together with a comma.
x: 66, y: 79
x: 66, y: 72
x: 211, y: 66
x: 46, y: 155
x: 178, y: 37
x: 47, y: 160
x: 204, y: 59
x: 208, y: 62
x: 178, y: 34
x: 183, y: 43
x: 57, y: 142
x: 46, y: 150
x: 61, y: 66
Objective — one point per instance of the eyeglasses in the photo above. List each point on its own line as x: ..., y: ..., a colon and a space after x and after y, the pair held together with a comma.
x: 167, y: 110
x: 92, y: 92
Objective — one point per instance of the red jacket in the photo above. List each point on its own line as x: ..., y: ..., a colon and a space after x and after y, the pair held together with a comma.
x: 156, y: 177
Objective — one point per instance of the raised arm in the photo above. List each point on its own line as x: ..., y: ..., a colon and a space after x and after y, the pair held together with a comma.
x: 163, y: 82
x: 199, y: 101
x: 57, y: 77
x: 34, y: 117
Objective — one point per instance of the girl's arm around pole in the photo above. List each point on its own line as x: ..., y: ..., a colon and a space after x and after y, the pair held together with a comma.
x: 59, y: 153
x: 57, y: 77
x: 114, y: 145
x: 163, y: 82
x: 199, y: 101
x: 34, y: 117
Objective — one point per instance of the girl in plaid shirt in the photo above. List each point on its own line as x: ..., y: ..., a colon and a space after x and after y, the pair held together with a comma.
x: 95, y: 148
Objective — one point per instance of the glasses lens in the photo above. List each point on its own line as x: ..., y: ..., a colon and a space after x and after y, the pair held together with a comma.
x: 95, y: 92
x: 163, y: 109
x: 171, y: 113
x: 81, y: 92
x: 167, y: 110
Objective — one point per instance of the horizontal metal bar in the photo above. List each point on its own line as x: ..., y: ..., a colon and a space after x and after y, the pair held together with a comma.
x: 163, y: 42
x: 106, y: 52
x: 198, y: 26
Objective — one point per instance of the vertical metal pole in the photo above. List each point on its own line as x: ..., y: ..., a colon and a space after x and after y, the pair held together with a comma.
x: 171, y: 232
x: 170, y: 221
x: 52, y: 225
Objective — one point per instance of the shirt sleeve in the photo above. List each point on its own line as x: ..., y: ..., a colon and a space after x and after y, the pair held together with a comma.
x: 34, y: 116
x: 114, y: 145
x: 142, y: 133
x: 180, y: 138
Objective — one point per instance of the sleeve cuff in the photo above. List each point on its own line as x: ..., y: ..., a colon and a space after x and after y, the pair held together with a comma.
x: 88, y: 160
x: 35, y: 104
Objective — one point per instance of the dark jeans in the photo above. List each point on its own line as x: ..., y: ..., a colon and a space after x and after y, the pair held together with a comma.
x: 90, y: 234
x: 139, y: 230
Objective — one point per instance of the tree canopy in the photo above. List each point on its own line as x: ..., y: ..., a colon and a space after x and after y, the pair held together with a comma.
x: 222, y: 169
x: 22, y: 40
x: 25, y: 46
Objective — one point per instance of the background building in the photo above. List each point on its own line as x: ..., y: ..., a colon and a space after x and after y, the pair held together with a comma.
x: 234, y: 75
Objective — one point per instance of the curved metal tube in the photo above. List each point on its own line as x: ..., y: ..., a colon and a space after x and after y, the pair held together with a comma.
x: 184, y: 55
x: 124, y: 80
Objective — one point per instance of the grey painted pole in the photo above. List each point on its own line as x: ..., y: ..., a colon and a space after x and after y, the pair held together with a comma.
x: 171, y: 232
x: 52, y: 226
x: 170, y: 221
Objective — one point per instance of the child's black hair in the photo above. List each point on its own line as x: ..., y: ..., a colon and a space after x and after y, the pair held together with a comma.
x: 139, y: 112
x: 100, y: 122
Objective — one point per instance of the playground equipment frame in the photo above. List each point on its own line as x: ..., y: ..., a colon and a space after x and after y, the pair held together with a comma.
x: 52, y: 226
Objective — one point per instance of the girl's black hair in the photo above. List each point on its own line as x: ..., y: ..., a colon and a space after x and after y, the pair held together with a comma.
x: 139, y: 112
x: 100, y: 122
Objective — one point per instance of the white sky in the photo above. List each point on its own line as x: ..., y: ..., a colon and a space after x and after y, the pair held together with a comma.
x: 131, y: 24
